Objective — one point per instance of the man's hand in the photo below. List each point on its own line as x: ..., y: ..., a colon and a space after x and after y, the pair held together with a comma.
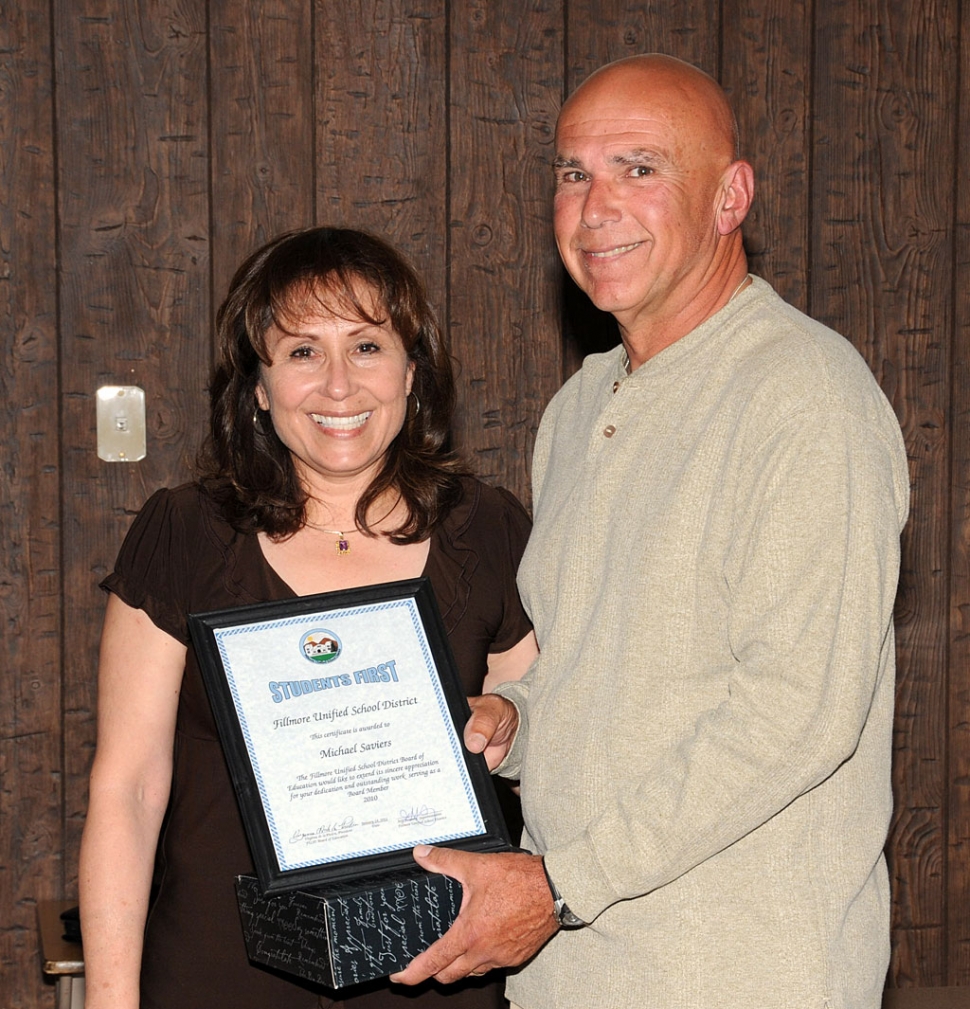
x: 506, y: 914
x: 491, y: 728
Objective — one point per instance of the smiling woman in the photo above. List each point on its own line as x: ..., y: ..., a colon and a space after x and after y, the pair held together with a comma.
x: 319, y: 316
x: 336, y: 390
x: 326, y: 467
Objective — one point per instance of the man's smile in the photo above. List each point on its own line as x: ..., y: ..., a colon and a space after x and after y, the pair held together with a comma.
x: 617, y: 250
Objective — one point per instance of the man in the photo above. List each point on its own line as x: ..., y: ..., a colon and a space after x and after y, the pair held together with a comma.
x: 704, y: 741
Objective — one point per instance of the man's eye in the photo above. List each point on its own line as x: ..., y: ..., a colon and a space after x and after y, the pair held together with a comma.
x: 641, y: 171
x: 573, y: 175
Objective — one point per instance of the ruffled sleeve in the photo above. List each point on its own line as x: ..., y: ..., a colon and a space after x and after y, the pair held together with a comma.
x: 473, y: 562
x: 152, y: 570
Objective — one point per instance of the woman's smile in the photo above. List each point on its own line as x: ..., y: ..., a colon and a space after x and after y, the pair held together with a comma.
x: 341, y: 423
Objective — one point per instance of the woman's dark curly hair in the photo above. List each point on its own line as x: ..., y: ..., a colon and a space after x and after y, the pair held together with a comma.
x: 244, y: 464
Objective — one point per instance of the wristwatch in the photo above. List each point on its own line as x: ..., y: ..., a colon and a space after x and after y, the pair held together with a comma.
x: 560, y: 908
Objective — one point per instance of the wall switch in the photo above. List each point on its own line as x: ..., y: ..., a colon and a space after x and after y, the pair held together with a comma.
x: 121, y: 423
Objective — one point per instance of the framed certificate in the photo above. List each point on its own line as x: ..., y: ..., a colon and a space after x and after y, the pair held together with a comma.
x: 341, y: 717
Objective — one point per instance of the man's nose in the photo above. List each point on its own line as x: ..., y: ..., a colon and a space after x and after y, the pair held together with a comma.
x: 601, y: 205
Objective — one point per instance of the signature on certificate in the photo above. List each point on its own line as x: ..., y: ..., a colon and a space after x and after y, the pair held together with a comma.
x: 325, y: 831
x: 423, y: 815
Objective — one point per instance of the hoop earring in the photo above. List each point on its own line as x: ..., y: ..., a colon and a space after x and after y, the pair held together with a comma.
x: 417, y: 404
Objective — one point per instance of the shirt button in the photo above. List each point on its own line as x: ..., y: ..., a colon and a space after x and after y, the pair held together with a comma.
x: 608, y: 432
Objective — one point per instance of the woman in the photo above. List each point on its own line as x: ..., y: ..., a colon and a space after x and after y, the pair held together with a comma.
x: 326, y: 467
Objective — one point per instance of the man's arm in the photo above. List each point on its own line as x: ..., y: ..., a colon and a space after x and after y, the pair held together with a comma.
x: 811, y: 578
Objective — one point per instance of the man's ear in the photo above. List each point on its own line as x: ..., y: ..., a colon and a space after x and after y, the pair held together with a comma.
x: 737, y: 192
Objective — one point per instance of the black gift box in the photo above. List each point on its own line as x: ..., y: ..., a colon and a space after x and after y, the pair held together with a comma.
x: 344, y: 934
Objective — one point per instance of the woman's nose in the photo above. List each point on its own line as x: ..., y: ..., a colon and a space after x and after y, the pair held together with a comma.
x: 337, y: 378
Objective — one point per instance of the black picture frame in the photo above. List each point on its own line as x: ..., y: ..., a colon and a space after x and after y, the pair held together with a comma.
x: 203, y: 628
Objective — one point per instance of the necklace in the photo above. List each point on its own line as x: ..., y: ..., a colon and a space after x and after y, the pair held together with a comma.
x: 737, y: 290
x: 343, y: 544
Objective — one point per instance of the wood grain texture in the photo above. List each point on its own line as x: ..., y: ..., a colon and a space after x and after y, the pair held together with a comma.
x: 765, y: 69
x: 599, y: 31
x: 881, y: 270
x: 433, y: 125
x: 381, y: 161
x: 506, y: 68
x: 261, y: 107
x: 958, y: 730
x: 134, y: 292
x: 31, y: 831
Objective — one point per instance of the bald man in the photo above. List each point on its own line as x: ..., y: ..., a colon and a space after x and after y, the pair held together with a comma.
x: 704, y: 741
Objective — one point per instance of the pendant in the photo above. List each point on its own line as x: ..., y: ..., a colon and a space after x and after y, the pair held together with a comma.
x: 343, y: 545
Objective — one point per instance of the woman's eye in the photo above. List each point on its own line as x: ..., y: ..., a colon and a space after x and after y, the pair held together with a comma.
x: 368, y: 347
x: 301, y: 352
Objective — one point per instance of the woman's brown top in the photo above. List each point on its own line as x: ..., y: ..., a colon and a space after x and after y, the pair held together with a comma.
x: 181, y: 557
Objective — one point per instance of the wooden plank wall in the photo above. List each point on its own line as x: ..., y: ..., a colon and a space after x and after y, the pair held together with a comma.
x: 146, y: 147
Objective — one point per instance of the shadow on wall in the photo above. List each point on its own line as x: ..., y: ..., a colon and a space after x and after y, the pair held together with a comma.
x: 586, y: 330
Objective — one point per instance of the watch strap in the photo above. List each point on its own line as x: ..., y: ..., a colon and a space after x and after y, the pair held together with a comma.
x: 565, y: 917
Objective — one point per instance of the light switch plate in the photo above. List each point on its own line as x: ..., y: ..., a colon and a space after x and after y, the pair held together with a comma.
x: 121, y: 423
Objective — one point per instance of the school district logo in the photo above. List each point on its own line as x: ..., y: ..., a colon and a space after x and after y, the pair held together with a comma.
x: 320, y: 646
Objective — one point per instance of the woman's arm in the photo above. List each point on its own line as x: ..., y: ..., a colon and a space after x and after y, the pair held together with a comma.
x: 139, y: 678
x: 511, y: 665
